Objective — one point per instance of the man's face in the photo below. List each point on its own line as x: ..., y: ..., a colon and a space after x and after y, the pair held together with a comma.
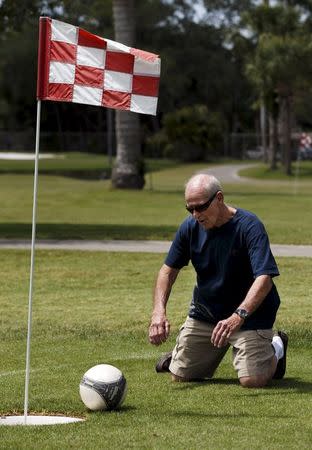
x: 203, y: 207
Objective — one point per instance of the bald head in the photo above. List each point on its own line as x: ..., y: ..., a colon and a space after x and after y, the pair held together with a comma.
x: 203, y: 183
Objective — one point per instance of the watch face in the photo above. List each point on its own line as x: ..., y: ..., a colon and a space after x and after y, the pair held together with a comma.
x: 242, y: 313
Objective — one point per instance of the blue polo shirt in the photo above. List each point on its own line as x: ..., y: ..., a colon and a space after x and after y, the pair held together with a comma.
x: 227, y: 260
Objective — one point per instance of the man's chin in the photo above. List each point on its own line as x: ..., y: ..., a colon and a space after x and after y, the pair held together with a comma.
x: 206, y: 225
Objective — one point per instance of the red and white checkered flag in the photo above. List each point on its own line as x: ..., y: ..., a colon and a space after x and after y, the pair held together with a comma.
x: 77, y: 66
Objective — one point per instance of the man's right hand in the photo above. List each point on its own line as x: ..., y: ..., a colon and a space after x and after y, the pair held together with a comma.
x: 159, y: 326
x: 159, y: 329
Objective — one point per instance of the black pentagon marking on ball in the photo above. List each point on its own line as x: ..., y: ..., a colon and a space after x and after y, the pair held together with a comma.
x: 111, y: 392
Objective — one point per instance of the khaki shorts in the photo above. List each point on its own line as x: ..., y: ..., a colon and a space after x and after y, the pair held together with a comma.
x: 194, y: 356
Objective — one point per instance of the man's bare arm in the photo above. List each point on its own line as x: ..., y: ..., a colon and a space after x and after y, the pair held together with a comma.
x: 159, y: 327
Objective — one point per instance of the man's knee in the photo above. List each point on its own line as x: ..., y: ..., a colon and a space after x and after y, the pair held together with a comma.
x: 179, y: 379
x: 257, y: 381
x: 185, y: 380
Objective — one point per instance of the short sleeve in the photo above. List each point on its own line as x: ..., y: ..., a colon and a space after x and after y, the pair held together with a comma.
x: 179, y: 252
x: 258, y: 246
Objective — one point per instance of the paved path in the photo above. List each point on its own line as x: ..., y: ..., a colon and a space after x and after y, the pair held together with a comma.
x: 227, y: 173
x: 133, y: 246
x: 27, y: 156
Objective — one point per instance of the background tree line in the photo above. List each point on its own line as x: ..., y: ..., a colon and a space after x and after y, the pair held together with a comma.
x: 218, y: 71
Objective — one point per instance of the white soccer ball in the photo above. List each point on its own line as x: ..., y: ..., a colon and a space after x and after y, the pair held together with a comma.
x: 103, y: 387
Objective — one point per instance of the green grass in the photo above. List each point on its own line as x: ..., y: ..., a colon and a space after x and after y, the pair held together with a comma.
x: 81, y: 208
x: 91, y: 209
x: 95, y: 307
x: 75, y: 164
x: 301, y: 170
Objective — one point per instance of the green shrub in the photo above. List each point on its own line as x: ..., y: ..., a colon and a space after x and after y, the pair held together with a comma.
x: 156, y: 144
x: 192, y: 133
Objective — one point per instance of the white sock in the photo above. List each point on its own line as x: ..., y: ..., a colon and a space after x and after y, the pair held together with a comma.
x: 278, y: 347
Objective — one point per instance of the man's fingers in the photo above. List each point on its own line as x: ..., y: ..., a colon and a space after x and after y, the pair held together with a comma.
x: 220, y: 334
x: 216, y: 332
x: 158, y: 333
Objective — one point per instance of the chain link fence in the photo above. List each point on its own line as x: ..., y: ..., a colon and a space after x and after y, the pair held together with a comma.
x: 236, y: 145
x: 24, y: 141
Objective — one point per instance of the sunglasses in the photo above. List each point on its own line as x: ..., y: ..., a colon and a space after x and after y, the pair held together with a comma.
x: 203, y: 207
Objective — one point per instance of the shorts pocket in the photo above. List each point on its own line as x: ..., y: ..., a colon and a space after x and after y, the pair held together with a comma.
x: 265, y: 334
x: 178, y: 345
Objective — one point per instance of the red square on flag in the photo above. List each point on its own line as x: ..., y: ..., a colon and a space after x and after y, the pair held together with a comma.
x: 90, y: 40
x: 89, y: 76
x: 59, y: 91
x: 142, y: 85
x: 114, y: 99
x: 119, y: 62
x: 63, y: 52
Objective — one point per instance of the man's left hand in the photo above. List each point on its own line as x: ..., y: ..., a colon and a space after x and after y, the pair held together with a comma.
x: 224, y: 329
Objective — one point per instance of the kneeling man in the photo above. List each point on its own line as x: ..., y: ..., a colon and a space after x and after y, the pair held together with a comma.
x: 234, y: 301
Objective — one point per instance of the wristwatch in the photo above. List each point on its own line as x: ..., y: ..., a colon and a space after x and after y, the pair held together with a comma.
x: 242, y: 313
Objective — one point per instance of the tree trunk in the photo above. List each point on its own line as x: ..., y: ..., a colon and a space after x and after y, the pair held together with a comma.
x: 273, y: 142
x: 288, y: 136
x: 263, y: 129
x: 286, y: 133
x: 128, y: 172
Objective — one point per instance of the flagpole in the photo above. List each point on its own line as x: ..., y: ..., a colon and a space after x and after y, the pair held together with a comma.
x: 32, y: 261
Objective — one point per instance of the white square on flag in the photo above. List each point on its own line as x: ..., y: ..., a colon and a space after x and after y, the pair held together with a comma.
x: 146, y: 67
x: 141, y: 103
x: 117, y: 47
x: 61, y: 73
x: 64, y: 32
x: 87, y: 95
x: 92, y: 57
x: 117, y: 81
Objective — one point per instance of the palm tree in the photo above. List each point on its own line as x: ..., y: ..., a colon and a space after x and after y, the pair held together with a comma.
x: 128, y: 172
x: 280, y: 68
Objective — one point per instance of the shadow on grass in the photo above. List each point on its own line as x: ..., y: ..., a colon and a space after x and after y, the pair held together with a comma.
x: 225, y: 415
x: 86, y: 231
x: 120, y: 410
x: 80, y: 174
x: 291, y: 384
x: 284, y: 386
x: 215, y: 381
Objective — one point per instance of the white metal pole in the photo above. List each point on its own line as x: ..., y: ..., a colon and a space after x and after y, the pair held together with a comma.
x: 32, y: 261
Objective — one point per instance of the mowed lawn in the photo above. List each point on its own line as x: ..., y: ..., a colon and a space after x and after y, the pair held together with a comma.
x: 70, y: 208
x: 91, y: 308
